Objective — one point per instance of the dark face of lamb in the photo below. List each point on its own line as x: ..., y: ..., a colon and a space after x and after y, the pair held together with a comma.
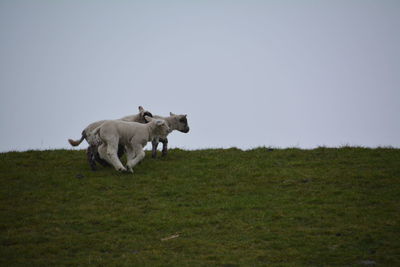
x: 143, y: 113
x: 183, y: 124
x: 146, y: 113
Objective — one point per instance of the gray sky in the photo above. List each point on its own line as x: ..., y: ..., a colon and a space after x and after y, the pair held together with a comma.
x: 247, y: 73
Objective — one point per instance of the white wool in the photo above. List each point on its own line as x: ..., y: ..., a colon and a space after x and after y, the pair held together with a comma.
x: 134, y: 136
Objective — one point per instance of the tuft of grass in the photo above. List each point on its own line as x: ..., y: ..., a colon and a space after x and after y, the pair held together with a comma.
x: 224, y: 207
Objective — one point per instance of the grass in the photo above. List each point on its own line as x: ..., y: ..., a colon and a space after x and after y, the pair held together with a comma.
x: 218, y: 207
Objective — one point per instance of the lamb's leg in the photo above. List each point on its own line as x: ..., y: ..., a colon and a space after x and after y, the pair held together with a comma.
x: 109, y: 153
x: 112, y: 151
x: 91, y: 158
x: 130, y: 155
x: 139, y: 155
x: 97, y: 157
x: 164, y: 141
x: 154, y: 143
x: 102, y: 153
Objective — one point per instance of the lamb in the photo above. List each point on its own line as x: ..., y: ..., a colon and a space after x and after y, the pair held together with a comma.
x: 175, y: 122
x: 94, y: 141
x: 134, y: 136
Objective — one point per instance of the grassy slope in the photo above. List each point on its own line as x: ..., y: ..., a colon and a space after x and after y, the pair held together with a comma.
x: 286, y: 207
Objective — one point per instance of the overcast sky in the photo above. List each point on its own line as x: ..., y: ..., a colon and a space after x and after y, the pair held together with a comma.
x: 247, y: 73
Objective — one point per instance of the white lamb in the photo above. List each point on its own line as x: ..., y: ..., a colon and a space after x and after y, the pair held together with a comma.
x: 175, y: 122
x: 134, y: 136
x: 94, y: 141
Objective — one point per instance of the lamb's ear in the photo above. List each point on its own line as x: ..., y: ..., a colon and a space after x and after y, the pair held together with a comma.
x: 160, y: 122
x: 148, y: 118
x: 141, y: 109
x: 172, y: 114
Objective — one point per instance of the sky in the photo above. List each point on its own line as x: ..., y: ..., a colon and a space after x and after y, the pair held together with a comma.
x: 247, y: 73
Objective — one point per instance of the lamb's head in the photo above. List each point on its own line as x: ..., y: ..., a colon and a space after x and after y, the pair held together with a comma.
x: 160, y: 128
x: 142, y: 115
x: 179, y: 122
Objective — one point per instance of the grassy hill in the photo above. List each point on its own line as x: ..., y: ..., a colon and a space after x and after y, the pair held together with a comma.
x: 224, y: 207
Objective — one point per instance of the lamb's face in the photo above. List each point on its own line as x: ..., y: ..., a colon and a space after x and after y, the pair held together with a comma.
x: 182, y: 123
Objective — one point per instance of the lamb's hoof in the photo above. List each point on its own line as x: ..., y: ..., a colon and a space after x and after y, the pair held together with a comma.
x: 130, y: 170
x: 122, y: 169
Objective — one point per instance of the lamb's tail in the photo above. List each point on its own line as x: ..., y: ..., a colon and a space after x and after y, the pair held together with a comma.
x: 77, y: 142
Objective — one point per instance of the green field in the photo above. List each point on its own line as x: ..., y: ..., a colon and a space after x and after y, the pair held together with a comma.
x: 217, y: 207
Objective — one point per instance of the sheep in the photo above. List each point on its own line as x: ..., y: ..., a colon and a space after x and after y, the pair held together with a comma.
x: 94, y: 141
x: 134, y: 136
x: 175, y: 122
